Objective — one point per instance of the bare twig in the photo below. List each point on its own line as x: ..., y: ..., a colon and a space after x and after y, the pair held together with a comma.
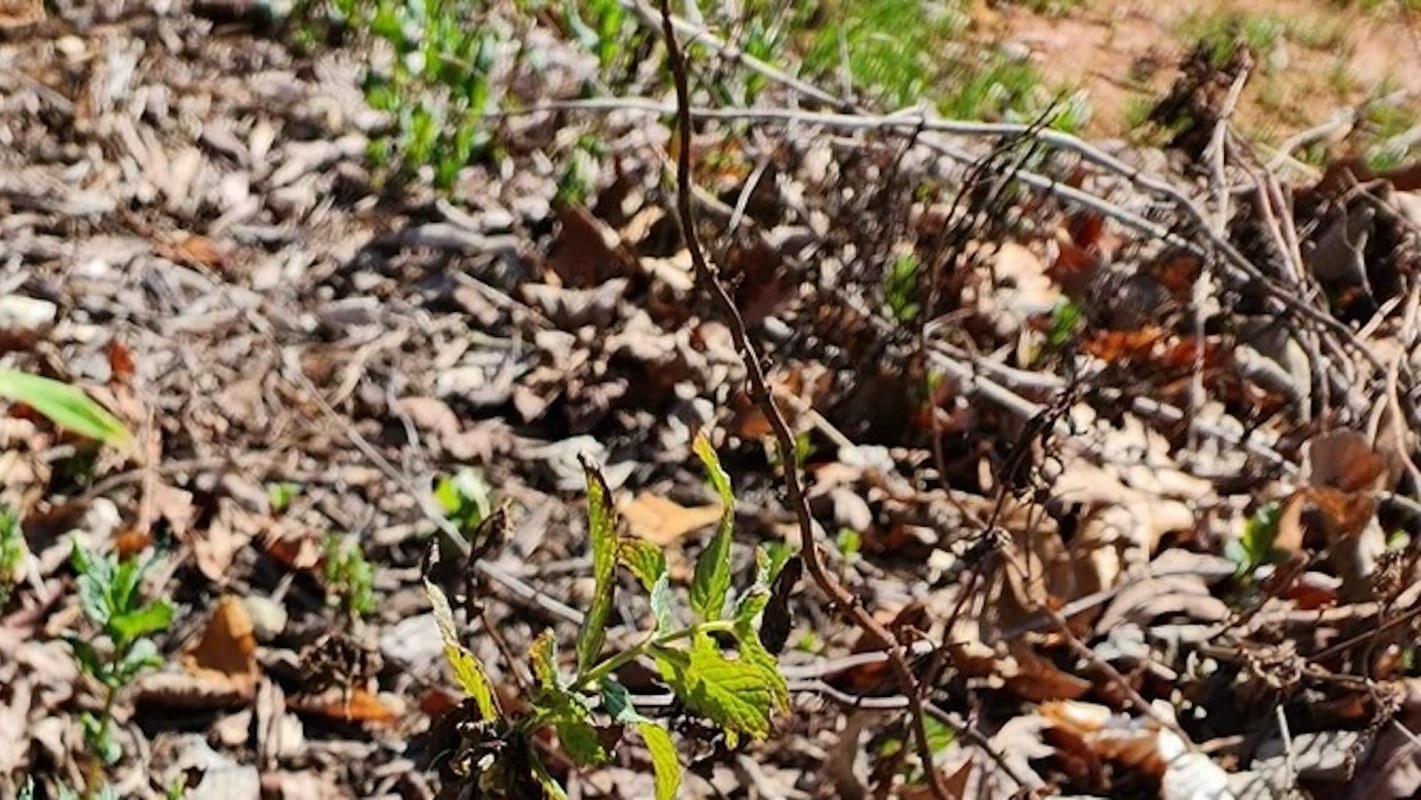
x: 764, y: 397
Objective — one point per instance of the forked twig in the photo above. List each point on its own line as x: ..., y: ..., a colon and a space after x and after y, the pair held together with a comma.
x: 764, y: 398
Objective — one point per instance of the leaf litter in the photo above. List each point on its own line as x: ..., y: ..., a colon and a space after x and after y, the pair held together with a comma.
x: 1039, y: 504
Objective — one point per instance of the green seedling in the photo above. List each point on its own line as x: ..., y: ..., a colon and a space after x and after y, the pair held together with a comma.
x: 715, y: 664
x: 13, y: 552
x: 1255, y: 547
x: 465, y: 498
x: 436, y: 89
x: 350, y: 577
x: 900, y: 290
x: 110, y: 597
x: 1065, y: 322
x: 281, y: 494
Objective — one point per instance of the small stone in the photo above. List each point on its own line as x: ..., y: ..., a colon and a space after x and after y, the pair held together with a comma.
x: 268, y: 617
x: 25, y: 313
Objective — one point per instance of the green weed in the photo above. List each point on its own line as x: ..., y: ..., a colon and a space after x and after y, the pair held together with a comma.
x: 350, y: 577
x: 65, y: 405
x: 1223, y: 31
x: 109, y: 593
x: 1255, y: 547
x: 13, y: 552
x: 435, y: 87
x: 1385, y: 125
x: 586, y: 705
x: 900, y: 290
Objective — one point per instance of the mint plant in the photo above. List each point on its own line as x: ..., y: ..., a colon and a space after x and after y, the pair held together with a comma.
x: 110, y: 597
x: 350, y: 577
x: 715, y: 664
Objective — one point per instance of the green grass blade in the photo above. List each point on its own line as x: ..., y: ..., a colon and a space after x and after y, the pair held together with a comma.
x: 66, y: 406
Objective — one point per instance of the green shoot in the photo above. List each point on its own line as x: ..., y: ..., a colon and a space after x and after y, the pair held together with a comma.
x: 13, y: 551
x: 110, y: 597
x: 349, y: 577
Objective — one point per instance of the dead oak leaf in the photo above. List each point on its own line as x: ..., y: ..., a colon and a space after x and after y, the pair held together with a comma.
x: 227, y: 651
x: 357, y: 705
x: 661, y: 521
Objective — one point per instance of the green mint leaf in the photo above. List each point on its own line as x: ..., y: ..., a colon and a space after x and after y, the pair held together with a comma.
x: 617, y: 702
x: 567, y: 711
x: 664, y: 763
x: 755, y: 654
x: 663, y: 608
x: 129, y: 625
x: 125, y: 584
x: 466, y: 667
x: 643, y: 559
x: 733, y: 693
x: 94, y: 599
x: 87, y: 656
x: 712, y: 579
x: 602, y: 529
x: 580, y: 741
x: 142, y: 655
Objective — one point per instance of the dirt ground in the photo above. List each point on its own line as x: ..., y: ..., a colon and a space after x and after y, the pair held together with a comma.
x: 1330, y: 56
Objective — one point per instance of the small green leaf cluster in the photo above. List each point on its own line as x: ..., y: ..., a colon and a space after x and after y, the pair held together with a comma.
x: 900, y: 288
x: 350, y: 578
x: 465, y: 498
x: 13, y: 551
x: 436, y: 88
x: 715, y: 664
x: 109, y: 595
x: 1066, y: 320
x: 1255, y: 547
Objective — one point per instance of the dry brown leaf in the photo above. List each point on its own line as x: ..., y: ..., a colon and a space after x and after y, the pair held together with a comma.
x: 18, y: 13
x: 1037, y: 679
x: 1343, y: 459
x: 229, y: 531
x: 430, y: 415
x: 661, y: 522
x: 587, y: 251
x: 227, y: 651
x: 171, y: 504
x: 356, y: 705
x: 193, y: 692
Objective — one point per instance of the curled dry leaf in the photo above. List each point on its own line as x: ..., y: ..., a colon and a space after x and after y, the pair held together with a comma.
x: 356, y: 705
x: 1142, y: 602
x: 1336, y: 507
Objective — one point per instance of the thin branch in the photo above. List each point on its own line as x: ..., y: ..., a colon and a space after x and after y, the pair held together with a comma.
x: 764, y: 397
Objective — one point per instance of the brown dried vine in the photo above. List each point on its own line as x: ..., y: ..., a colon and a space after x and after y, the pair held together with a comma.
x: 706, y: 274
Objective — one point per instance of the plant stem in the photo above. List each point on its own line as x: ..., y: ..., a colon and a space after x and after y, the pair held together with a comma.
x: 611, y: 664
